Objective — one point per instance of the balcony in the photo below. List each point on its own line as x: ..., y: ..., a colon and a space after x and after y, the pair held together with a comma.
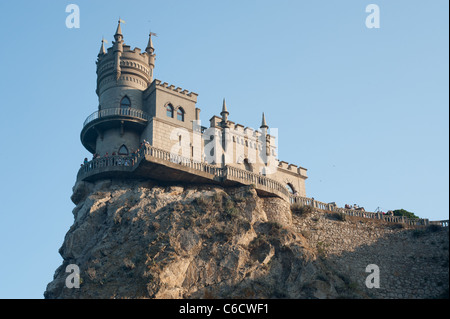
x: 99, y: 121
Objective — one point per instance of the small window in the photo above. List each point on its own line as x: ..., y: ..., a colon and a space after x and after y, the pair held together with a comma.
x: 180, y: 114
x: 169, y: 110
x: 123, y: 150
x: 125, y: 103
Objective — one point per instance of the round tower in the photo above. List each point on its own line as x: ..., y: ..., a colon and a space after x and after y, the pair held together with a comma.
x: 122, y: 77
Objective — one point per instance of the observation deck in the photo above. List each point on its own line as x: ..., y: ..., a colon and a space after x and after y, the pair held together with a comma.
x: 99, y: 121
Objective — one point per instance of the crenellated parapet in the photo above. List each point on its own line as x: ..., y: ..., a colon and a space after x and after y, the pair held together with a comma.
x: 135, y: 70
x: 171, y: 89
x: 285, y: 166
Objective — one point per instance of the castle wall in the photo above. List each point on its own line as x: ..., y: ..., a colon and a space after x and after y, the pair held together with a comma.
x: 113, y: 140
x: 124, y: 72
x: 166, y: 135
x: 288, y: 177
x: 158, y: 96
x: 112, y: 97
x: 413, y: 262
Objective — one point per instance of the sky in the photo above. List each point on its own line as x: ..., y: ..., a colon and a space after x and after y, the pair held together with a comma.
x: 365, y: 110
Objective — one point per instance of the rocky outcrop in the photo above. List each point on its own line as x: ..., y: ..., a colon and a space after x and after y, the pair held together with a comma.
x: 140, y: 239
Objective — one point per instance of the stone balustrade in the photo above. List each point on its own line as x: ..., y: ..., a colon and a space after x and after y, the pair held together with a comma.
x: 304, y: 201
x: 180, y: 160
x: 229, y: 173
x: 110, y: 112
x: 442, y: 223
x: 97, y: 164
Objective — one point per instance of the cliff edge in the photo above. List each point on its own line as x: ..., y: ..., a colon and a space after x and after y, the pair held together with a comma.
x: 142, y: 239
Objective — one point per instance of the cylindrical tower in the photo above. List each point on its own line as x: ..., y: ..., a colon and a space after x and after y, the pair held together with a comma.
x: 122, y: 76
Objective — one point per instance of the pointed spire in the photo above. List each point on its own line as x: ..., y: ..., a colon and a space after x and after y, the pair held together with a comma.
x: 119, y: 29
x: 224, y: 114
x: 224, y: 108
x: 102, y: 48
x: 150, y: 49
x: 263, y: 123
x: 118, y: 36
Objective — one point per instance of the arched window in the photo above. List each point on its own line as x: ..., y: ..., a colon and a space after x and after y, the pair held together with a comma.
x: 125, y: 103
x: 123, y: 150
x: 180, y: 114
x: 290, y: 188
x: 169, y: 110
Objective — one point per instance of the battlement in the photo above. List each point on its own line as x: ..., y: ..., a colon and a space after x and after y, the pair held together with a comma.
x: 175, y: 89
x: 292, y: 168
x: 172, y: 89
x: 135, y: 54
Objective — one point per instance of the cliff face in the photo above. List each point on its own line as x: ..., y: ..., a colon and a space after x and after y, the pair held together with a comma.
x: 139, y: 239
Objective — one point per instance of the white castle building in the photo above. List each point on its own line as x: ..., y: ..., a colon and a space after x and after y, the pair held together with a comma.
x: 147, y: 128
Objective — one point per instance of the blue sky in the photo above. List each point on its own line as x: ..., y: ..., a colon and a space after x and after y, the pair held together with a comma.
x: 364, y: 110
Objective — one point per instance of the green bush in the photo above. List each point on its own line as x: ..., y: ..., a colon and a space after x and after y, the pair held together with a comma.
x: 403, y: 212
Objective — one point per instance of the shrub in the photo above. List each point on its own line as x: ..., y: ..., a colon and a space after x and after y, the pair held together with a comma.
x: 339, y: 216
x: 301, y: 210
x: 403, y: 212
x: 203, y: 201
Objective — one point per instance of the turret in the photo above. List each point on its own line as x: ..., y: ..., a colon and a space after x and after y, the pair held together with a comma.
x: 263, y: 123
x: 224, y: 114
x: 102, y: 49
x: 122, y: 77
x: 151, y: 55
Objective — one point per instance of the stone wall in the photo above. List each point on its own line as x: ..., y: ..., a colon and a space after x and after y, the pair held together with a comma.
x: 413, y: 261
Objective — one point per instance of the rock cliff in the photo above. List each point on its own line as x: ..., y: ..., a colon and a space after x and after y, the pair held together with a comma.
x: 141, y: 239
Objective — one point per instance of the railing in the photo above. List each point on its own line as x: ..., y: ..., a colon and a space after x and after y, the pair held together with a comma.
x: 126, y: 162
x: 304, y: 201
x: 227, y: 172
x: 443, y: 223
x: 257, y: 180
x: 129, y: 163
x: 180, y: 160
x: 130, y: 112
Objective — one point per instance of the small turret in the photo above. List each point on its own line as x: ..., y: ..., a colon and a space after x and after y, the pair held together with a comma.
x: 118, y: 49
x: 118, y: 36
x: 224, y: 114
x: 263, y: 123
x: 150, y: 49
x: 151, y: 54
x: 102, y: 48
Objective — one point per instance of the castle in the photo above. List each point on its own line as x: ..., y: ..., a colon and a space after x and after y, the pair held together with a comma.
x: 146, y: 128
